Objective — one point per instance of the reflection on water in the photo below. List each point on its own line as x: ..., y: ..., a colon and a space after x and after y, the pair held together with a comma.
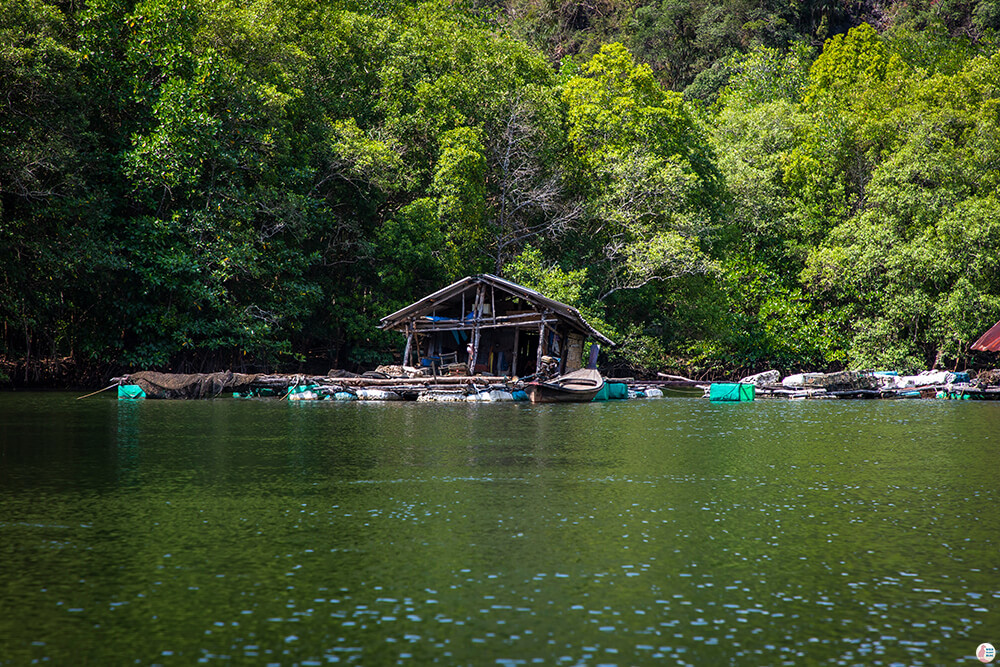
x: 617, y: 533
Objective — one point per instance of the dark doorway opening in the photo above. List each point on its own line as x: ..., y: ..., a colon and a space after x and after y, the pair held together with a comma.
x: 527, y: 353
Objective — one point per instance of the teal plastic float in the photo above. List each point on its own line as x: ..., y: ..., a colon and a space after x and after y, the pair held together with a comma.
x: 731, y: 392
x: 612, y: 391
x: 130, y: 392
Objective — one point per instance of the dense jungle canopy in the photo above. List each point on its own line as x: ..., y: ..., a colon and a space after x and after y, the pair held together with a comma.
x: 714, y: 183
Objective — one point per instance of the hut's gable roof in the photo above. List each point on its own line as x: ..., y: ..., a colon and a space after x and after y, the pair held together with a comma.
x: 427, y: 305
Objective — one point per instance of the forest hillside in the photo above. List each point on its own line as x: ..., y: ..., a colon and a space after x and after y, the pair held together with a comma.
x: 719, y: 186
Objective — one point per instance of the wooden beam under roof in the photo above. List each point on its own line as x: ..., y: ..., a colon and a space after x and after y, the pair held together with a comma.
x: 569, y: 315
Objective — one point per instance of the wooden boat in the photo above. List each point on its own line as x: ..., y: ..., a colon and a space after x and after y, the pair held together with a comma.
x: 577, y: 387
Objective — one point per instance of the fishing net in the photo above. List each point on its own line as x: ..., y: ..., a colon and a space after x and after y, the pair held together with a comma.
x: 196, y: 385
x: 843, y: 381
x: 990, y: 378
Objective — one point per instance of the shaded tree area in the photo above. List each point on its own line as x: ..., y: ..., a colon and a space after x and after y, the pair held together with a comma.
x: 691, y: 44
x: 685, y: 42
x: 197, y: 184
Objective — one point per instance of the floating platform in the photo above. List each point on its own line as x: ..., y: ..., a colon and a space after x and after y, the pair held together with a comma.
x: 478, y: 388
x: 489, y: 388
x: 952, y: 392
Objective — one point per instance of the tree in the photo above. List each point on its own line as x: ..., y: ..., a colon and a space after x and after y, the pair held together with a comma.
x: 651, y: 185
x: 43, y: 166
x: 527, y: 190
x: 905, y: 263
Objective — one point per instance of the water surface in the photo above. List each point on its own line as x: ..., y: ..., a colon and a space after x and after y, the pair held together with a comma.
x: 633, y: 532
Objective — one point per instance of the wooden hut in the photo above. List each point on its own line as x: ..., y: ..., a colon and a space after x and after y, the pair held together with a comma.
x: 493, y: 325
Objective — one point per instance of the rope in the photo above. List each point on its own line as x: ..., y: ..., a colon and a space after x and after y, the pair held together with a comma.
x: 110, y: 386
x: 295, y: 384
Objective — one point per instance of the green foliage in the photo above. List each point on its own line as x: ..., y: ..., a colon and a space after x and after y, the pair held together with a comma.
x: 765, y: 75
x: 615, y: 103
x: 644, y: 166
x: 777, y: 325
x: 413, y: 253
x: 459, y: 184
x: 363, y: 158
x: 188, y: 182
x: 531, y: 270
x: 919, y: 298
x: 685, y: 40
x: 854, y: 59
x: 636, y: 351
x: 841, y: 191
x: 38, y: 67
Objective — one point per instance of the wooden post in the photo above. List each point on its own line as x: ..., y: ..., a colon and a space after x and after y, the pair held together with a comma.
x: 477, y: 314
x: 513, y: 361
x: 475, y: 351
x: 562, y: 352
x: 541, y: 344
x: 595, y: 349
x: 409, y: 345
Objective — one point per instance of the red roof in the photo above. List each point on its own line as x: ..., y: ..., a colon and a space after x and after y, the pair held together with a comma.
x: 989, y: 341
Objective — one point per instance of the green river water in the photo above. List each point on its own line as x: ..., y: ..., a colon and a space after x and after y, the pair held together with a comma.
x: 624, y: 533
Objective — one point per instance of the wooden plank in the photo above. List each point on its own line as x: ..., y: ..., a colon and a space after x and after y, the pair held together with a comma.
x: 454, y: 325
x: 422, y: 381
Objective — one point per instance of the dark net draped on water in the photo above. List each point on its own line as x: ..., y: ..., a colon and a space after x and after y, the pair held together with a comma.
x: 198, y: 385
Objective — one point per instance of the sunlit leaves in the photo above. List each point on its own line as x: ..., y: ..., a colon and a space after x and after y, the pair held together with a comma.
x: 766, y: 75
x: 364, y: 157
x: 616, y: 103
x: 906, y: 259
x: 649, y: 179
x: 854, y: 59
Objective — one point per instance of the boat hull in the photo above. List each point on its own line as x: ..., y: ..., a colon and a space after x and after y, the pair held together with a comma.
x: 577, y: 387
